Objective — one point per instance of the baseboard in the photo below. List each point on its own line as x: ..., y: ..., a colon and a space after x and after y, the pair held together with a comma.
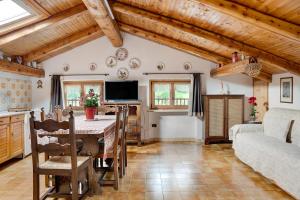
x: 173, y: 140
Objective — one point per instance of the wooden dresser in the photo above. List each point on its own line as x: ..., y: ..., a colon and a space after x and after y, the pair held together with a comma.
x: 222, y: 112
x: 134, y: 120
x: 11, y: 137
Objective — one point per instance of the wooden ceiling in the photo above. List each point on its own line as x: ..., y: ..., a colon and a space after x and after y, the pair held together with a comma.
x: 210, y: 29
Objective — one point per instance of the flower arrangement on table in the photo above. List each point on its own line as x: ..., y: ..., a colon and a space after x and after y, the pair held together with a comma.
x: 253, y: 104
x: 91, y: 102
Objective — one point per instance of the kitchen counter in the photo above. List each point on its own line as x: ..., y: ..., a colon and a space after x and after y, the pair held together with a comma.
x: 7, y: 114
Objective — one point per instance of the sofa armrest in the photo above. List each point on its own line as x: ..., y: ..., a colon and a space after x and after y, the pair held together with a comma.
x: 245, y: 128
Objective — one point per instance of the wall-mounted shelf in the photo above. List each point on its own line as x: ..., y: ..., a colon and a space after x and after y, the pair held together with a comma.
x: 237, y: 68
x: 16, y: 68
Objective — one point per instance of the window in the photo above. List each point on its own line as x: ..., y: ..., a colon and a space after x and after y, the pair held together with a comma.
x: 75, y: 91
x: 12, y: 11
x: 170, y: 94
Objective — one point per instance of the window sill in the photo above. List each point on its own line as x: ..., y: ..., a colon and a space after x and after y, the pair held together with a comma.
x: 169, y: 111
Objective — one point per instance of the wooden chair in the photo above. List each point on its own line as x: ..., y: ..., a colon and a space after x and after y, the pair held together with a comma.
x: 63, y: 160
x: 124, y: 129
x: 112, y: 150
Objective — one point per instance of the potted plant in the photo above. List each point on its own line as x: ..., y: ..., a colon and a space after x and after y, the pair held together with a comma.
x: 91, y: 104
x: 253, y: 104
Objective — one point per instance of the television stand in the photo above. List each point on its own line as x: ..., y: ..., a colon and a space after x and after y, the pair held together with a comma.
x: 134, y: 119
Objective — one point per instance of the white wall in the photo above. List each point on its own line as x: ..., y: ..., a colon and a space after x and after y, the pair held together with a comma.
x: 274, y: 92
x: 150, y: 54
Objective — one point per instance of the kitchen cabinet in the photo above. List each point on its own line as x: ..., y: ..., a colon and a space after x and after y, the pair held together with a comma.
x: 4, y: 142
x: 11, y: 137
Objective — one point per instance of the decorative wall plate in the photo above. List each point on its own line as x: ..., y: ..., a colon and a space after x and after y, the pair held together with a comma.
x: 123, y: 73
x: 93, y: 66
x: 134, y: 63
x: 187, y: 66
x: 160, y: 66
x: 66, y: 67
x: 121, y: 54
x: 111, y: 61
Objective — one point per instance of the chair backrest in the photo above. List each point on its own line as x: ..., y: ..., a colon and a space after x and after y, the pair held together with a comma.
x: 126, y: 114
x: 111, y: 134
x: 107, y: 109
x: 54, y: 149
x: 125, y: 121
x: 43, y: 114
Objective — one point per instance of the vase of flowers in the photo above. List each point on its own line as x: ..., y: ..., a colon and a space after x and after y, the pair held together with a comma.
x: 253, y: 111
x: 91, y: 104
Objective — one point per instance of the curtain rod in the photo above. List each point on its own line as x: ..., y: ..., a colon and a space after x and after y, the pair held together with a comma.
x: 149, y: 73
x: 80, y: 74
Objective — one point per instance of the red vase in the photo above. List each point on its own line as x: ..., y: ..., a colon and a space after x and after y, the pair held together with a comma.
x: 235, y: 57
x: 90, y: 113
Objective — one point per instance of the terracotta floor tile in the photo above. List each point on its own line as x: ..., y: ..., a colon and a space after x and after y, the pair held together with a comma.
x: 166, y: 171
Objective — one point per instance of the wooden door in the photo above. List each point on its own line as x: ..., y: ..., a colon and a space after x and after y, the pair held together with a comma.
x: 16, y: 138
x: 214, y: 118
x: 260, y: 91
x: 235, y: 112
x: 4, y: 142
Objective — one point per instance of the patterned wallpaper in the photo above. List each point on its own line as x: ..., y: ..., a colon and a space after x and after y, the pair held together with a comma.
x: 15, y: 93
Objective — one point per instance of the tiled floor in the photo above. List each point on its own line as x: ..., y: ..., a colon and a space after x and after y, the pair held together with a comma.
x: 167, y: 171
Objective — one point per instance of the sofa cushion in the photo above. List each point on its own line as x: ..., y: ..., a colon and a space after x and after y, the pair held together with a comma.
x: 277, y: 128
x: 295, y: 133
x: 274, y: 159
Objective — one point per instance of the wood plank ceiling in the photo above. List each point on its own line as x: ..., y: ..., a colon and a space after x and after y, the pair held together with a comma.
x: 213, y: 30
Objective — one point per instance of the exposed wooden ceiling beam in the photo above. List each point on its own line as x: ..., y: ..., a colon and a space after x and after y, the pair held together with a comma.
x: 15, y: 68
x: 102, y: 16
x: 213, y: 57
x: 254, y: 17
x: 57, y: 19
x: 268, y: 58
x: 237, y: 68
x: 36, y: 6
x: 65, y: 44
x: 202, y: 53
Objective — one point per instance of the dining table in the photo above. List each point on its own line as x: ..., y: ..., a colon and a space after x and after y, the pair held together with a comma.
x: 90, y: 132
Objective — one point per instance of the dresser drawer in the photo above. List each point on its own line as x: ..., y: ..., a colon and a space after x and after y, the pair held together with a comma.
x: 4, y: 120
x: 17, y: 118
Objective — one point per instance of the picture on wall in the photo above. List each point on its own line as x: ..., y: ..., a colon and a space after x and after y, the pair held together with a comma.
x: 286, y: 90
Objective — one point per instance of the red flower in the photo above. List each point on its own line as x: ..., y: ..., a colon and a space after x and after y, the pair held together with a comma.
x: 252, y: 101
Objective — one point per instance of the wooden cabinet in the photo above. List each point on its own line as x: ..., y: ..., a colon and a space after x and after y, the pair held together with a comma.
x: 11, y: 137
x: 4, y: 142
x: 16, y: 139
x: 134, y: 120
x: 222, y: 112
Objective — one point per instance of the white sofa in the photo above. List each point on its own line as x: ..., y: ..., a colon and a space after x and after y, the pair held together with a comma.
x: 264, y: 148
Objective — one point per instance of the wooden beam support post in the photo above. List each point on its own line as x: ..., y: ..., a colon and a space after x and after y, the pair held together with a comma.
x: 266, y: 57
x: 57, y: 19
x: 202, y: 53
x: 65, y: 44
x: 15, y: 68
x: 102, y: 16
x: 254, y: 17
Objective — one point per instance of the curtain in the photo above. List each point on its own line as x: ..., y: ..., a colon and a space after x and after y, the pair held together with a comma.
x: 197, y: 107
x: 56, y: 92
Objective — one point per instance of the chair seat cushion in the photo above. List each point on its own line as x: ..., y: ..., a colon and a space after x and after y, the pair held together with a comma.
x: 62, y: 162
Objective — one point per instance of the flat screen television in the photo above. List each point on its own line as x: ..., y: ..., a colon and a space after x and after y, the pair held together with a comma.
x: 121, y: 90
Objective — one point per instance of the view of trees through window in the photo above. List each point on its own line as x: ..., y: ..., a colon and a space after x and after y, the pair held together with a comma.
x: 170, y: 94
x: 76, y: 91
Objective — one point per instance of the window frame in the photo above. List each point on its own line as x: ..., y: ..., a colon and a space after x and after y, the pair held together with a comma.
x: 172, y: 94
x: 82, y: 83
